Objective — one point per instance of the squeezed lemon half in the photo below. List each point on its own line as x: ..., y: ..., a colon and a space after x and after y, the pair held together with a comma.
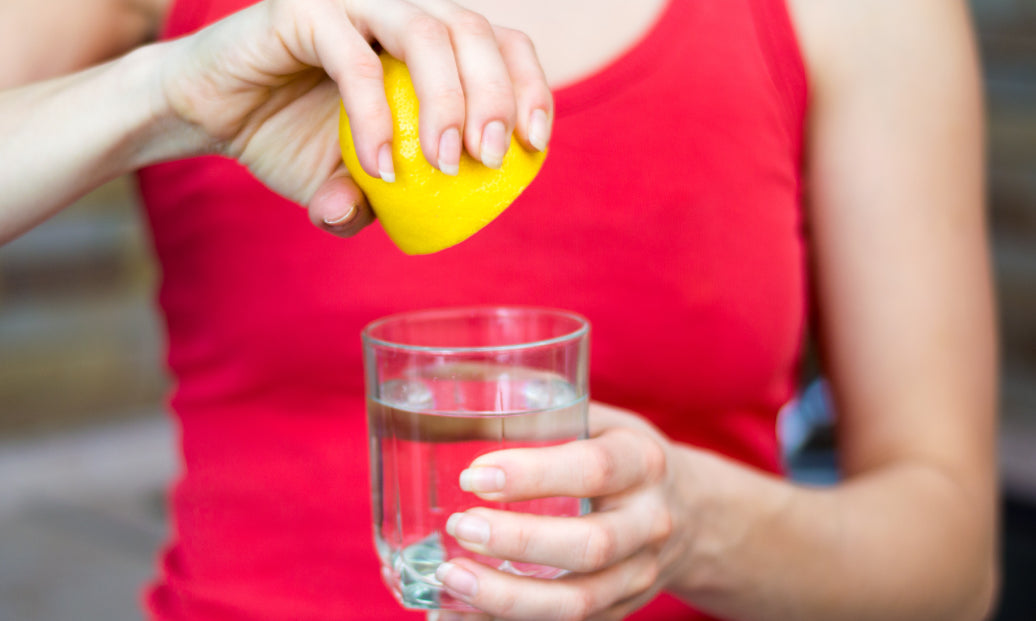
x: 425, y: 210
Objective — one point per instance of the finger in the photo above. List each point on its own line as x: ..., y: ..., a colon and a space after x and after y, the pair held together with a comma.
x: 580, y: 544
x: 488, y: 91
x: 603, y: 417
x: 618, y: 460
x: 339, y: 207
x: 534, y: 101
x: 576, y: 596
x: 349, y: 60
x: 423, y: 42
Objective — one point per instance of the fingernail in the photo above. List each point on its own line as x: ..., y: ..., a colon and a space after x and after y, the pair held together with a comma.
x: 342, y: 219
x: 539, y: 131
x: 470, y: 528
x: 457, y: 579
x: 494, y: 144
x: 483, y: 479
x: 385, y: 167
x: 433, y: 615
x: 449, y: 152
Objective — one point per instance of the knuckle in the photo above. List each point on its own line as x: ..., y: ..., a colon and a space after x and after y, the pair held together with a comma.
x: 495, y: 99
x: 310, y: 8
x: 514, y: 39
x: 277, y: 10
x: 599, y: 468
x: 655, y: 460
x: 282, y: 9
x: 534, y: 91
x: 427, y: 28
x: 448, y: 96
x: 522, y: 542
x: 500, y: 93
x: 663, y: 527
x: 469, y: 23
x: 578, y: 606
x: 367, y: 116
x: 366, y: 66
x: 599, y: 549
x: 647, y: 576
x: 499, y: 90
x: 505, y: 605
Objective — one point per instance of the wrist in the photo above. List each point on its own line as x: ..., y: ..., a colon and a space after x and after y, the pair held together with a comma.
x: 159, y: 133
x: 736, y: 512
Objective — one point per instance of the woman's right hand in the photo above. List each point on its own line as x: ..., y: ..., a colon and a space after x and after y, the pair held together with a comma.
x: 263, y: 86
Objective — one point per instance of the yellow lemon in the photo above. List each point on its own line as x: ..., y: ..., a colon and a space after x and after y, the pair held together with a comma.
x: 425, y: 210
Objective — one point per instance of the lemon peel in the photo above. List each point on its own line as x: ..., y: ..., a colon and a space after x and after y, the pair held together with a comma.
x: 425, y: 210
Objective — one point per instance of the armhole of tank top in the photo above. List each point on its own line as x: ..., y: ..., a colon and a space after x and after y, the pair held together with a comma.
x: 783, y: 55
x: 182, y: 17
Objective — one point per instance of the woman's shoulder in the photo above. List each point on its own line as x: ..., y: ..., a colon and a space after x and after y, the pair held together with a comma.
x: 845, y: 39
x: 78, y: 33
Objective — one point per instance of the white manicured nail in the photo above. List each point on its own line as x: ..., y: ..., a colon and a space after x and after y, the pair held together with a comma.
x: 449, y: 152
x: 539, y: 130
x: 458, y: 580
x: 385, y: 168
x: 482, y: 479
x: 470, y: 528
x: 495, y: 141
x: 342, y: 219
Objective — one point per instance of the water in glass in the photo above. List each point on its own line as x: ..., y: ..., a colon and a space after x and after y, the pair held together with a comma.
x: 426, y: 429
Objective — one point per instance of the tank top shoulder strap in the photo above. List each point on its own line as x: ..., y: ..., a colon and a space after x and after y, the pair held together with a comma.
x: 780, y: 46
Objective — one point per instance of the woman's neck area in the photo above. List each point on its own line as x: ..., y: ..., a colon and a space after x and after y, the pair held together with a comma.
x: 575, y: 38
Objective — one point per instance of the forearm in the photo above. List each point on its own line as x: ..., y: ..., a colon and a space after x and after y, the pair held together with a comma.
x: 65, y: 136
x: 908, y: 541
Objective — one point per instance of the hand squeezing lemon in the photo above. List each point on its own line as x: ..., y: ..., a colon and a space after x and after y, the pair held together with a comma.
x: 424, y: 210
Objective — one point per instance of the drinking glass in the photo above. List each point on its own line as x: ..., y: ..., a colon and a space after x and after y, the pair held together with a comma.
x: 444, y: 387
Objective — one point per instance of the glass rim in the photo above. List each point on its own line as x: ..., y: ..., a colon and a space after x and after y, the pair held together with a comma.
x: 468, y: 311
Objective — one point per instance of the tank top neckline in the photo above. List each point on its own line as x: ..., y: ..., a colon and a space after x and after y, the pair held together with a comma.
x: 632, y: 65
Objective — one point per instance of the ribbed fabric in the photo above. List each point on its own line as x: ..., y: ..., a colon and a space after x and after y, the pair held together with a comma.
x: 668, y: 213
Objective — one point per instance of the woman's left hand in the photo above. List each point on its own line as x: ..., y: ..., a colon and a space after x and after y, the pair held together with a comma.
x: 621, y: 555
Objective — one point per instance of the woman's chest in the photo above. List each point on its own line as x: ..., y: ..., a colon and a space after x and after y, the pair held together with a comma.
x: 667, y: 212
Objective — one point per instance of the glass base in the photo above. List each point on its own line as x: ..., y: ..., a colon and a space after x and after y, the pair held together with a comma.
x: 411, y: 577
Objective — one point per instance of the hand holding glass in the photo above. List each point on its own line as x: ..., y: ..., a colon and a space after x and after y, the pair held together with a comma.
x: 444, y: 387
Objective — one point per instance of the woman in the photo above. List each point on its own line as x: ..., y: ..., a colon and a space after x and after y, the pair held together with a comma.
x: 670, y: 212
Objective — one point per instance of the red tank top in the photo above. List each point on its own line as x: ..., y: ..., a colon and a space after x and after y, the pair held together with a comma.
x: 667, y: 213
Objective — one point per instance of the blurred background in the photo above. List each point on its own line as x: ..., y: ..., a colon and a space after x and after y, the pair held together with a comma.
x: 85, y: 452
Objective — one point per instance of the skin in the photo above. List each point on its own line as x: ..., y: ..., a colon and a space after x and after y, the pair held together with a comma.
x: 900, y: 266
x: 208, y: 93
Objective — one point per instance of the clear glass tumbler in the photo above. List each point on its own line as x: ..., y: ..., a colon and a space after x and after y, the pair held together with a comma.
x: 444, y: 387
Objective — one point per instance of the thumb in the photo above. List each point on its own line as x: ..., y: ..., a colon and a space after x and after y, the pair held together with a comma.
x: 339, y: 206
